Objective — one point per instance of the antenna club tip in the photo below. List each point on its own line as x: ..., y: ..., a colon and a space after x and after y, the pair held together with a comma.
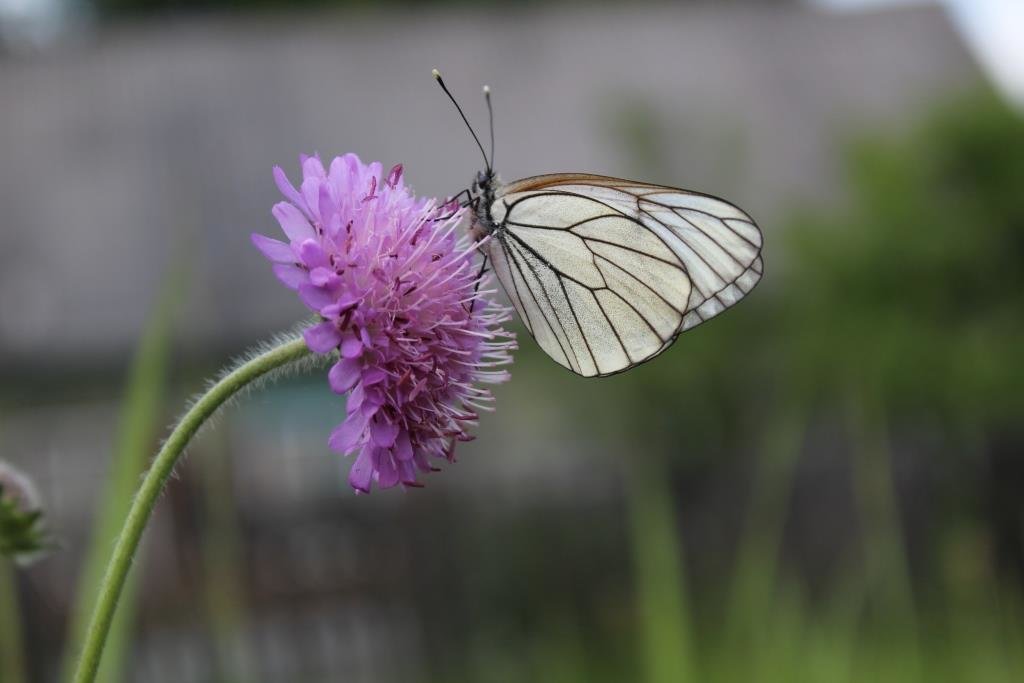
x: 487, y: 90
x: 436, y: 74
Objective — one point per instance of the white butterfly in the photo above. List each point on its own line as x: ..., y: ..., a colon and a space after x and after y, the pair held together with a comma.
x: 604, y: 272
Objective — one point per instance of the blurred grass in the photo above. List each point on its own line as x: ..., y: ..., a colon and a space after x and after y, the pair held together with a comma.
x: 752, y: 586
x: 12, y: 646
x: 141, y: 418
x: 663, y: 611
x: 222, y: 563
x: 886, y: 570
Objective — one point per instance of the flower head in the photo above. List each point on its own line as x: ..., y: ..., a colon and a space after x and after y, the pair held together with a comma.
x: 399, y: 296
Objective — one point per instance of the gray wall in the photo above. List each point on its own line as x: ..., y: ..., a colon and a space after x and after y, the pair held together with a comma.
x: 159, y: 139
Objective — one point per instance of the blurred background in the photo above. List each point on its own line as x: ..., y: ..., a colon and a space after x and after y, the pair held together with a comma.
x: 824, y: 484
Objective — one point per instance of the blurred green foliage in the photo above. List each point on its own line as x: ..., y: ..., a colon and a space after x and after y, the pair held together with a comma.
x: 916, y: 292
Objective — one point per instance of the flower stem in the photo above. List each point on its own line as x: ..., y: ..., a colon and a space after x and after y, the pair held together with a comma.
x: 284, y: 353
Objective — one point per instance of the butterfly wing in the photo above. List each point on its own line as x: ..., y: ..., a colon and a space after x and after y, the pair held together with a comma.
x: 605, y: 273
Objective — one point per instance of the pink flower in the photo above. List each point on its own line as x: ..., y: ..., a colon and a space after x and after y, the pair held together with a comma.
x: 399, y: 299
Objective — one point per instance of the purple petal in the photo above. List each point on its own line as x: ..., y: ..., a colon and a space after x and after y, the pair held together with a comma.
x: 315, y: 297
x: 351, y: 347
x: 336, y: 173
x: 355, y: 399
x: 352, y: 166
x: 310, y: 190
x: 291, y: 276
x: 344, y: 302
x: 287, y: 189
x: 294, y: 224
x: 326, y: 204
x: 343, y: 375
x: 313, y: 254
x: 403, y: 446
x: 312, y: 167
x: 275, y: 251
x: 407, y: 472
x: 332, y: 226
x: 361, y: 474
x: 322, y: 338
x: 372, y: 400
x: 373, y: 376
x: 383, y: 432
x: 346, y: 436
x: 323, y: 277
x: 387, y: 473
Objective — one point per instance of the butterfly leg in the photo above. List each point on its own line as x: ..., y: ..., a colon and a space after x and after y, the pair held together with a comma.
x: 476, y: 287
x: 463, y: 203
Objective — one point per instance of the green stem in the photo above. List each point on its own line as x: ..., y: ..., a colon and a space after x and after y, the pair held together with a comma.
x: 289, y: 351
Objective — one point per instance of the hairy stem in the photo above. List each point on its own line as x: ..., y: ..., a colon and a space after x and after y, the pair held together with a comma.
x: 286, y: 352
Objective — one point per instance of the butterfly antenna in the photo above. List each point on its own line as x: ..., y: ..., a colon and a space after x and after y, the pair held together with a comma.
x: 490, y: 119
x: 440, y: 81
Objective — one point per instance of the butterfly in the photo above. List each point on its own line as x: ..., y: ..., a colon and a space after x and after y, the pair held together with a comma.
x: 606, y: 273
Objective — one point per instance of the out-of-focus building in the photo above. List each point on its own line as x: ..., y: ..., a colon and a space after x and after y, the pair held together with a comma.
x: 158, y: 139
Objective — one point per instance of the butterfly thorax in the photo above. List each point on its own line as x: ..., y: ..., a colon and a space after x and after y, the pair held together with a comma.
x: 486, y: 188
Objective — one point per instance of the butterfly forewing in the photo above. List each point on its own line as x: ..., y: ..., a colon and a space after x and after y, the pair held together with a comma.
x: 605, y: 272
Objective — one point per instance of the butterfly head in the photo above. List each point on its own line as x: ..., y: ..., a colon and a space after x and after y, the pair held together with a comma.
x: 481, y: 180
x: 485, y: 182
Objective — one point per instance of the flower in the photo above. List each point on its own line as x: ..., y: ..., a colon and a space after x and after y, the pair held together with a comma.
x: 22, y: 532
x: 400, y: 298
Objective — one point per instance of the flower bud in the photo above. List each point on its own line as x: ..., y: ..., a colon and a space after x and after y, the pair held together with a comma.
x: 23, y: 536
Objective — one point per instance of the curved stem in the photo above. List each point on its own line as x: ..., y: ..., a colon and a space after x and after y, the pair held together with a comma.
x: 284, y: 353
